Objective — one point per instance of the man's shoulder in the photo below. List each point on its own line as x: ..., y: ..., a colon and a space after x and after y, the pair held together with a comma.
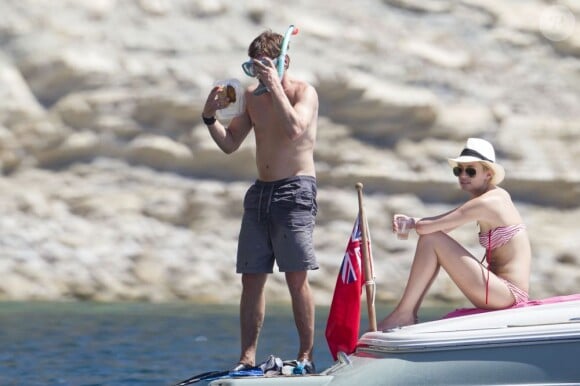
x: 304, y: 88
x: 304, y: 84
x: 301, y: 83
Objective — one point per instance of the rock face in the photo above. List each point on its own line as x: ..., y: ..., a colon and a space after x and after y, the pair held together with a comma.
x: 112, y: 188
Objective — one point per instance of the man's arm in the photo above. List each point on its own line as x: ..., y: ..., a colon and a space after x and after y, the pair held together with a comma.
x: 297, y: 117
x: 228, y: 138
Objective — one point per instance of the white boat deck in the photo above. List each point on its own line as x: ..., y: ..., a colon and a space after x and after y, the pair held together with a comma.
x: 520, y: 325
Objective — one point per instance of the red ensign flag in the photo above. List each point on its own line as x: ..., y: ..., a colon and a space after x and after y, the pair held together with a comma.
x: 342, y: 327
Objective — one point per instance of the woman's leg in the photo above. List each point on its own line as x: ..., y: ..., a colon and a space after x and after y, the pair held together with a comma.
x: 437, y: 250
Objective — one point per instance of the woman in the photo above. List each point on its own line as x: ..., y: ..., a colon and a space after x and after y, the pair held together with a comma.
x: 501, y: 278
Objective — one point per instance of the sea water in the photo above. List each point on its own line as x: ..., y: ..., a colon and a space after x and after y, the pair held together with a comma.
x: 82, y: 343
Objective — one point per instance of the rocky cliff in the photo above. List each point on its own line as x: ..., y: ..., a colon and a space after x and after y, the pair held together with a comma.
x: 112, y: 188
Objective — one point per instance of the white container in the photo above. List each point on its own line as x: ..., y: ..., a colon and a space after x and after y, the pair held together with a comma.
x: 236, y: 108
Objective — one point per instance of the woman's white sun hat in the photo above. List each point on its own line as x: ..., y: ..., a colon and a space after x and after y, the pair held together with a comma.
x: 479, y: 150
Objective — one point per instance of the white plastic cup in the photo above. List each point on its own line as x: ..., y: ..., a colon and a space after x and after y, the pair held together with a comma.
x: 402, y: 228
x: 236, y: 108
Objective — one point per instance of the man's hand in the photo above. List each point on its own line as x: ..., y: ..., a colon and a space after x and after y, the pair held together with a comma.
x: 217, y: 99
x: 266, y: 71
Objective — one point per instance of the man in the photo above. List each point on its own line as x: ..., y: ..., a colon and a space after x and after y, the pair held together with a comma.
x: 280, y: 207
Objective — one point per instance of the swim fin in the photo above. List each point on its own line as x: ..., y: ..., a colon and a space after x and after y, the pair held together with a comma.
x: 211, y: 375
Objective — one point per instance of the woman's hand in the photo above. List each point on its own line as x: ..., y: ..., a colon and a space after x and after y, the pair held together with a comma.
x: 401, y: 221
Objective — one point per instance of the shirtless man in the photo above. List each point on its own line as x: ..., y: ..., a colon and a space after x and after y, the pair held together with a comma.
x: 280, y: 207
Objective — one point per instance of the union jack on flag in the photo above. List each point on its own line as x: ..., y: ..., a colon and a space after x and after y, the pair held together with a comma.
x: 350, y: 268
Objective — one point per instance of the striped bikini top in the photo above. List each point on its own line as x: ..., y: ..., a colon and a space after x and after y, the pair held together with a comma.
x: 499, y: 236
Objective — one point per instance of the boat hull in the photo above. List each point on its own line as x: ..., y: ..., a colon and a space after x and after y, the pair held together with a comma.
x: 537, y: 345
x: 526, y: 364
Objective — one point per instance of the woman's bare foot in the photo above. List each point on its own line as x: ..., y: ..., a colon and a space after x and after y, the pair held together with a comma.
x: 396, y: 320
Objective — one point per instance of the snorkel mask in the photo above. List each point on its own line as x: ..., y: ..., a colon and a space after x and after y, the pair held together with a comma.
x: 279, y: 62
x: 249, y: 69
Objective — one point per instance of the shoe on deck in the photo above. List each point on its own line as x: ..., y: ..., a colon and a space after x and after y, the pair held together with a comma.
x: 309, y: 367
x: 272, y: 365
x: 301, y: 367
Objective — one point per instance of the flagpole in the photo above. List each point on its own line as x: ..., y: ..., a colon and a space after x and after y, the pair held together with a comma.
x: 367, y: 261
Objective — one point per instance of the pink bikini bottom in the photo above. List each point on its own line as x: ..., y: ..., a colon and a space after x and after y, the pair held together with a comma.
x: 520, y: 296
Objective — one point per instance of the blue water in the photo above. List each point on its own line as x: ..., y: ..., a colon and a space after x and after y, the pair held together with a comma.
x: 135, y: 344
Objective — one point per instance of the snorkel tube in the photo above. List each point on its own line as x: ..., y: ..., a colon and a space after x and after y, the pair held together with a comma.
x: 281, y: 58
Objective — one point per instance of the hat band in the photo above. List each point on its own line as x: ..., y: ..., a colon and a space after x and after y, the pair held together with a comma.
x: 474, y: 153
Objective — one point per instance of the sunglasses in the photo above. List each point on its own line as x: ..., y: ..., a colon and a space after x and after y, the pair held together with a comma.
x: 471, y: 172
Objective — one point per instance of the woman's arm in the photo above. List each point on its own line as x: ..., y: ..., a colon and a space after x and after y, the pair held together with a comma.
x: 476, y: 209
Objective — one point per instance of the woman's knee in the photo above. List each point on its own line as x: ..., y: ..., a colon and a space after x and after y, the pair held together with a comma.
x: 432, y: 239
